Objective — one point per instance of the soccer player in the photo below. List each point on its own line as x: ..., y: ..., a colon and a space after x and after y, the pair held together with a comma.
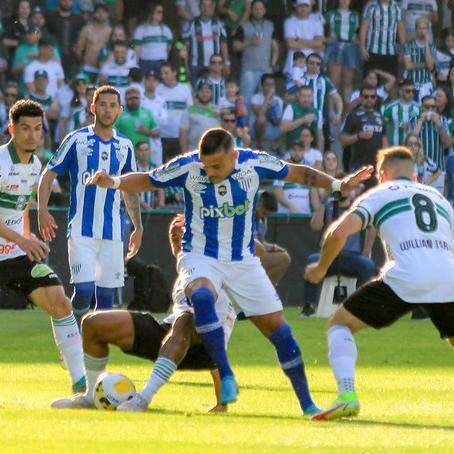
x: 95, y: 234
x: 139, y: 334
x: 21, y: 253
x: 415, y: 223
x: 220, y: 184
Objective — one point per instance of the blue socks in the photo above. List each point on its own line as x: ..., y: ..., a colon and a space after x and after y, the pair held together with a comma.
x: 81, y: 299
x: 104, y: 298
x: 292, y: 364
x: 210, y: 329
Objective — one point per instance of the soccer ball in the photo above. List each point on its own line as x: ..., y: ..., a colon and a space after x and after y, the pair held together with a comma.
x: 113, y: 389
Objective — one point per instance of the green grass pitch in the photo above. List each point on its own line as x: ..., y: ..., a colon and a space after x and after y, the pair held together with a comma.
x: 405, y: 380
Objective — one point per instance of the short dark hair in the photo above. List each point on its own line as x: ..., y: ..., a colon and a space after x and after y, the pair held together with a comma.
x: 25, y: 108
x: 365, y: 87
x: 392, y: 154
x: 298, y: 54
x: 268, y: 201
x: 306, y: 87
x: 426, y: 97
x: 140, y: 143
x: 228, y: 111
x: 106, y: 89
x: 45, y: 42
x: 101, y: 6
x: 135, y: 74
x: 266, y: 76
x: 314, y: 54
x: 169, y: 64
x: 258, y: 1
x: 119, y: 44
x: 214, y: 140
x: 406, y: 82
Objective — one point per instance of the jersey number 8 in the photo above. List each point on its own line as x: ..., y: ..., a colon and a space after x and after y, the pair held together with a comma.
x: 426, y: 217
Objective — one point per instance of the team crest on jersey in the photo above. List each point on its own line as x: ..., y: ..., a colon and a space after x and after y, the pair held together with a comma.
x: 104, y: 155
x: 222, y: 190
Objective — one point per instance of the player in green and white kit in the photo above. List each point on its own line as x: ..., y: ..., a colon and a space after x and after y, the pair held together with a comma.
x: 416, y: 224
x: 400, y: 115
x: 21, y: 253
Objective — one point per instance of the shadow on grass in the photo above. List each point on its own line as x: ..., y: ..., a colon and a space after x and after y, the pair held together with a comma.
x: 402, y: 425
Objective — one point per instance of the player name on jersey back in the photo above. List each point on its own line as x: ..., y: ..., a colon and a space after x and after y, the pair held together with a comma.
x: 416, y: 225
x: 94, y: 212
x: 220, y: 218
x: 17, y: 183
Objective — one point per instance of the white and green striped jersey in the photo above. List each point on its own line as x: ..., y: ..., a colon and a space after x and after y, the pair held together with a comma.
x: 416, y: 51
x: 399, y: 119
x: 382, y: 31
x: 17, y: 183
x: 415, y: 223
x: 343, y: 25
x: 217, y: 90
x: 431, y: 140
x: 322, y: 88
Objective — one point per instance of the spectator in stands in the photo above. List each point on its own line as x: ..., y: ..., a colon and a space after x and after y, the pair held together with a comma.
x: 232, y: 94
x: 207, y: 36
x: 382, y: 23
x: 425, y: 170
x: 399, y: 116
x: 116, y: 72
x: 136, y: 122
x: 297, y: 74
x: 233, y: 13
x: 450, y: 81
x: 384, y: 92
x: 363, y: 131
x: 118, y: 36
x: 187, y: 11
x: 256, y: 41
x: 17, y: 26
x: 73, y: 116
x: 300, y: 113
x: 275, y: 258
x: 266, y: 109
x: 178, y: 98
x: 353, y: 260
x: 342, y: 51
x: 449, y: 183
x: 436, y: 134
x: 11, y: 95
x: 92, y: 38
x: 157, y: 105
x: 417, y: 9
x: 444, y: 57
x: 198, y: 118
x: 65, y: 26
x: 148, y: 199
x: 152, y: 40
x: 292, y: 197
x: 331, y: 166
x: 444, y: 101
x: 45, y: 62
x: 302, y: 32
x: 419, y: 59
x: 323, y: 89
x: 241, y: 138
x: 39, y: 94
x: 216, y: 79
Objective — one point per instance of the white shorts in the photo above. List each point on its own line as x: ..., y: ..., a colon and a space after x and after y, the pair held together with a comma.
x: 224, y: 308
x: 96, y: 260
x: 246, y: 283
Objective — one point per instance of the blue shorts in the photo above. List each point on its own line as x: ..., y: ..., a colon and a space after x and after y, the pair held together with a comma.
x: 345, y: 54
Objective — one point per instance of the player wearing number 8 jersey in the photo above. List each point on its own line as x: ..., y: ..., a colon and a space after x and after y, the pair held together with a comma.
x: 220, y: 184
x: 416, y: 225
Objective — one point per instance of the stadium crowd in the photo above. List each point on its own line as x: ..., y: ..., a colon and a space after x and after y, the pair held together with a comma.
x: 321, y: 83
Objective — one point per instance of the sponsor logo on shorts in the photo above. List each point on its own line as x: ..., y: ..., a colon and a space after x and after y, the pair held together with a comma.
x: 75, y: 269
x: 42, y: 270
x: 224, y: 211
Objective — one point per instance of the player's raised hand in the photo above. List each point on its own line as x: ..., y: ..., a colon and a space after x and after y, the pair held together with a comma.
x: 46, y: 224
x: 35, y: 249
x: 314, y: 273
x: 101, y: 179
x: 353, y: 181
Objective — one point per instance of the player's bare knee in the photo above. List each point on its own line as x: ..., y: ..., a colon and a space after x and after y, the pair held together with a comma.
x: 59, y: 305
x: 91, y: 325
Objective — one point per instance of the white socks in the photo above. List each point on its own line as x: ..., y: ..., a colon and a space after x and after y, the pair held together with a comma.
x: 67, y: 337
x: 162, y: 371
x: 95, y: 367
x: 342, y: 356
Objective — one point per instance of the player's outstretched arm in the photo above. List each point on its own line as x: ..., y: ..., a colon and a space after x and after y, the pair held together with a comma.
x: 46, y: 222
x: 132, y: 183
x: 333, y: 242
x: 312, y: 177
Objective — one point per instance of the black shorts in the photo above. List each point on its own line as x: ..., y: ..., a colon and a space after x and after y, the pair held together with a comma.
x: 377, y: 305
x: 24, y: 276
x: 148, y: 336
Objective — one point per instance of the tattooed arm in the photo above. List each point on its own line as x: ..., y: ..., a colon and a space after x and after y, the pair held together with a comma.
x: 132, y: 203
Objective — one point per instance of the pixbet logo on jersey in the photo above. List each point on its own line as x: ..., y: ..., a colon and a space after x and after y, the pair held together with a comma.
x: 224, y: 211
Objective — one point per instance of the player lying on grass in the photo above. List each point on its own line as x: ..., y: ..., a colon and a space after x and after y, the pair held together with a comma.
x: 416, y: 224
x: 220, y: 184
x: 21, y: 253
x: 139, y: 334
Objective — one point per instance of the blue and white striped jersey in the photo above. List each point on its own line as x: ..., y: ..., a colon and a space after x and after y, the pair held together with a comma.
x: 220, y: 218
x: 93, y: 212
